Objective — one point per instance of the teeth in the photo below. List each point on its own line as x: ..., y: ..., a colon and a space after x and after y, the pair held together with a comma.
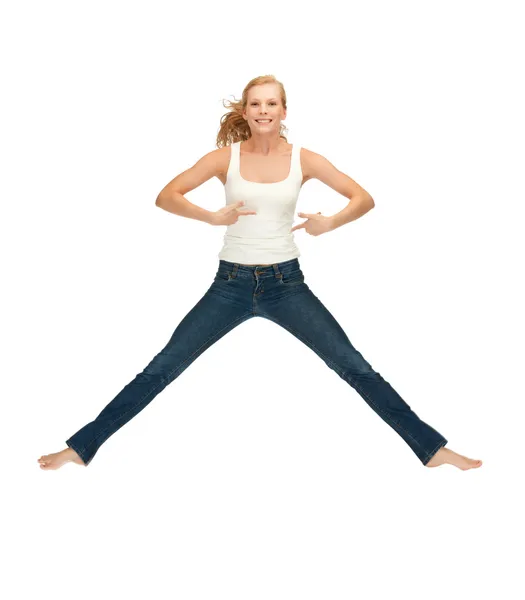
x: 263, y: 120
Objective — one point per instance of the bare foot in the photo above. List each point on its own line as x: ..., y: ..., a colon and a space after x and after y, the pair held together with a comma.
x: 447, y: 456
x: 56, y: 460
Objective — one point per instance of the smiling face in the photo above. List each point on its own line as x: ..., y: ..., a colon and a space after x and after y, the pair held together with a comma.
x: 264, y: 110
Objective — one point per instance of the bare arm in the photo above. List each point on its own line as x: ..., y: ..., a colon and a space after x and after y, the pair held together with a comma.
x: 171, y: 196
x: 318, y: 167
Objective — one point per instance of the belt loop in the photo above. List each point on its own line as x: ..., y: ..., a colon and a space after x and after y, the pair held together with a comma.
x: 276, y: 271
x: 234, y: 270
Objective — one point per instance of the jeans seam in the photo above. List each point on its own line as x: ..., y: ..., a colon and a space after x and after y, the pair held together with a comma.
x: 379, y: 409
x: 216, y: 334
x: 342, y: 374
x: 431, y: 453
x: 306, y: 341
x: 79, y: 452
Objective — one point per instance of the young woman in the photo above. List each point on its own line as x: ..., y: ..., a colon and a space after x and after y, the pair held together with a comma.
x: 259, y: 274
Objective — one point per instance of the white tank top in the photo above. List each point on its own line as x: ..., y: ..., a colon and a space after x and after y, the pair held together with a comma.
x: 264, y: 238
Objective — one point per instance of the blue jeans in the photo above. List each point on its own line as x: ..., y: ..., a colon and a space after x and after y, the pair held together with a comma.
x: 279, y: 293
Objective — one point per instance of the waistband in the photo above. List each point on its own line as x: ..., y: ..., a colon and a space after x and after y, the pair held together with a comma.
x: 286, y: 266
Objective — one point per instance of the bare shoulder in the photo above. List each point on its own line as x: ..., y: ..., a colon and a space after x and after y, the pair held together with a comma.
x: 308, y: 160
x: 208, y: 166
x: 312, y: 164
x: 316, y: 166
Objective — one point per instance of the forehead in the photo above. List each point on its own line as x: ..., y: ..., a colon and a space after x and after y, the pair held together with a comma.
x: 264, y: 92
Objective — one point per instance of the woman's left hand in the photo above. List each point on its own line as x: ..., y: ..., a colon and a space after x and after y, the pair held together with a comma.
x: 315, y: 224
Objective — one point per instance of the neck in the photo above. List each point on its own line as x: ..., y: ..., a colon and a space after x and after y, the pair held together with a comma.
x: 263, y: 144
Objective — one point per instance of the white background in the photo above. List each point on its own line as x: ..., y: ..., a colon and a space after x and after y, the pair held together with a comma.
x: 259, y: 473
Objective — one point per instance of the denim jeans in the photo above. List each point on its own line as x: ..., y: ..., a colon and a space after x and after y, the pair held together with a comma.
x: 279, y: 293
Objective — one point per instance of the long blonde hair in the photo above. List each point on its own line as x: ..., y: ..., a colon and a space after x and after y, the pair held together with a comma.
x: 234, y: 127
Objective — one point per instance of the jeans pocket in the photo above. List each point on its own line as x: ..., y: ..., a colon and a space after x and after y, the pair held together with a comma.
x: 292, y: 278
x: 223, y: 276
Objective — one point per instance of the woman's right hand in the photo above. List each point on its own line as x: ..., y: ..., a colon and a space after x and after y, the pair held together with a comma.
x: 229, y: 214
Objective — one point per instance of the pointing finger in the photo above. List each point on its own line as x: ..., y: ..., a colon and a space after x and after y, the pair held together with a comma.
x: 308, y: 215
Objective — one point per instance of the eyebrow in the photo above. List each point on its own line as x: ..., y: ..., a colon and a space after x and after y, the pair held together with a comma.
x: 269, y: 99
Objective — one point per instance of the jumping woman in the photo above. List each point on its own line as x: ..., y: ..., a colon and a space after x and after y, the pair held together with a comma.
x: 258, y: 274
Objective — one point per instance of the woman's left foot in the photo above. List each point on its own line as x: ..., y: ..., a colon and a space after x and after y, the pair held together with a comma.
x: 446, y: 456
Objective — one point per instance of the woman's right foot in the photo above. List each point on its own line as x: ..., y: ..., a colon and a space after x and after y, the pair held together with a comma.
x: 56, y: 460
